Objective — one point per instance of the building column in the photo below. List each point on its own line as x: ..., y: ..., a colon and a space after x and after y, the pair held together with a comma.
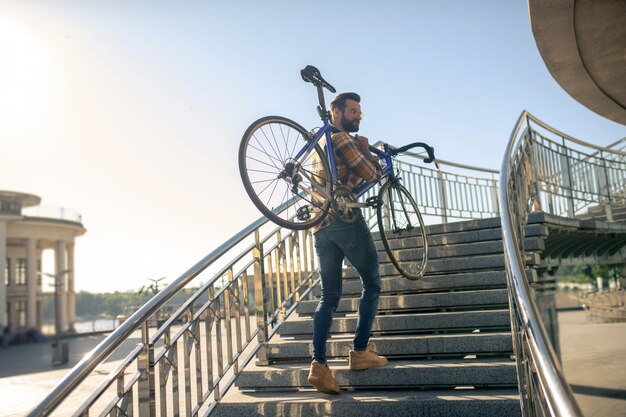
x: 60, y: 273
x: 3, y: 263
x: 71, y: 293
x: 31, y: 283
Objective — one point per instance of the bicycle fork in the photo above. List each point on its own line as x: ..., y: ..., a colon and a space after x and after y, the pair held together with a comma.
x: 395, y: 228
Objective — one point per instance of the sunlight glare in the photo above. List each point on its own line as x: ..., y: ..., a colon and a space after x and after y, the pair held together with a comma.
x: 24, y: 76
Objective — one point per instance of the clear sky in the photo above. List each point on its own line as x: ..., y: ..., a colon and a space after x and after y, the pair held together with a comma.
x: 131, y: 112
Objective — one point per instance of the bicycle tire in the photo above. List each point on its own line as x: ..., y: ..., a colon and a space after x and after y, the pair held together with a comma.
x: 401, y: 227
x: 266, y: 149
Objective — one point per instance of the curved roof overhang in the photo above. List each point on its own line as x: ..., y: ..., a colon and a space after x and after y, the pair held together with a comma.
x: 583, y: 44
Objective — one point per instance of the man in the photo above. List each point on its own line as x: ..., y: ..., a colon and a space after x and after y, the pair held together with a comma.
x: 335, y: 240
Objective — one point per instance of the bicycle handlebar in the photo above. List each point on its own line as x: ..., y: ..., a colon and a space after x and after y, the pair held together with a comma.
x: 394, y: 151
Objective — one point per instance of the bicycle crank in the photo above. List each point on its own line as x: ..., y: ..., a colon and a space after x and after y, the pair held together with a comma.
x: 341, y: 197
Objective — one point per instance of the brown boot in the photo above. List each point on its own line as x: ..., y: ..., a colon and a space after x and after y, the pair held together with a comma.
x: 361, y: 360
x: 322, y: 379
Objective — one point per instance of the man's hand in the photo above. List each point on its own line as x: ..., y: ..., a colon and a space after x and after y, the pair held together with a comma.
x: 363, y: 144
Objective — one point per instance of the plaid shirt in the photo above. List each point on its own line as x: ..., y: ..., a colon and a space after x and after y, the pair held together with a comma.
x: 353, y: 167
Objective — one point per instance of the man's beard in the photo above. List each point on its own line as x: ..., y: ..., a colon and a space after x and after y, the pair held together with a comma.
x: 349, y: 126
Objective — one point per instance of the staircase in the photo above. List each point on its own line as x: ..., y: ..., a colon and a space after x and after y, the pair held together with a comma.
x: 599, y: 213
x: 447, y: 338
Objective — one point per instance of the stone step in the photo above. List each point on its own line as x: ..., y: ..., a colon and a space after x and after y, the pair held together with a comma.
x: 447, y: 251
x: 464, y: 226
x: 397, y: 284
x: 452, y: 265
x: 373, y: 403
x: 471, y: 236
x: 425, y: 301
x: 453, y: 228
x: 456, y: 251
x: 499, y: 343
x: 398, y: 374
x: 407, y: 323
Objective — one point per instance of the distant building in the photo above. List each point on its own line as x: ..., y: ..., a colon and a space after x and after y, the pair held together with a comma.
x: 26, y: 230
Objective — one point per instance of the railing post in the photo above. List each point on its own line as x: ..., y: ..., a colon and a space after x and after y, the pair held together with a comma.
x: 604, y: 189
x: 566, y: 176
x: 260, y: 299
x: 442, y: 197
x: 534, y: 163
x: 145, y: 365
x: 494, y: 194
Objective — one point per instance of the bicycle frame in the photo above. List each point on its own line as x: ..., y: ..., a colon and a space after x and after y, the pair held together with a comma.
x: 325, y: 131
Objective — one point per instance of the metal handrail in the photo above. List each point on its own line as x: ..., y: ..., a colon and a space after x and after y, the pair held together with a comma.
x: 549, y: 128
x: 104, y: 349
x: 543, y: 388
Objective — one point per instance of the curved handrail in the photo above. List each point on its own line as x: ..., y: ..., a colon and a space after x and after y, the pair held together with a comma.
x: 531, y: 343
x: 572, y: 139
x: 104, y: 349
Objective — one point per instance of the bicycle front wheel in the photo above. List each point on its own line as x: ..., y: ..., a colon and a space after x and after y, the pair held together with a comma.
x: 402, y: 230
x: 290, y: 192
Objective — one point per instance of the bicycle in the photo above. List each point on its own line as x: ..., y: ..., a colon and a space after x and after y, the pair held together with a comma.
x: 296, y: 186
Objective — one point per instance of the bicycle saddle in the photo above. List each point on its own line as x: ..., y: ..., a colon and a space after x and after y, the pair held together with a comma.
x: 310, y: 74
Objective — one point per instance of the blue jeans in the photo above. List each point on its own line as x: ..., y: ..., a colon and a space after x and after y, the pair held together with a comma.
x: 333, y: 243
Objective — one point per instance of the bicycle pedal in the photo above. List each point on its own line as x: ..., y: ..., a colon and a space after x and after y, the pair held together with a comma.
x: 303, y: 213
x: 373, y: 202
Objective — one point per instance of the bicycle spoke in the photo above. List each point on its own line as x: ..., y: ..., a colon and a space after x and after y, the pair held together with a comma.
x: 266, y: 149
x: 284, y: 196
x: 408, y: 219
x: 402, y: 231
x: 295, y: 143
x: 259, y: 181
x: 273, y: 189
x: 275, y: 142
x: 267, y: 186
x: 261, y: 162
x: 263, y: 172
x: 268, y: 154
x: 269, y: 142
x: 285, y: 139
x: 265, y: 152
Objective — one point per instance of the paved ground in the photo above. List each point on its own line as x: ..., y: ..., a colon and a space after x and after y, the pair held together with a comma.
x: 27, y: 374
x: 593, y: 360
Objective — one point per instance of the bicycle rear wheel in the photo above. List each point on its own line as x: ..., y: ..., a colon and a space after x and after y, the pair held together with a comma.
x: 402, y: 230
x: 275, y: 180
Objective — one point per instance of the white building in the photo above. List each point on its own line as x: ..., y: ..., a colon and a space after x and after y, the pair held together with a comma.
x: 26, y: 230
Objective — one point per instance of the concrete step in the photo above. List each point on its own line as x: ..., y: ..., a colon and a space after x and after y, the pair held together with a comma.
x: 471, y: 236
x: 461, y: 250
x: 369, y: 403
x: 407, y: 323
x: 499, y: 343
x: 453, y: 228
x: 398, y: 374
x: 464, y: 226
x: 398, y: 284
x: 425, y: 301
x: 453, y: 265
